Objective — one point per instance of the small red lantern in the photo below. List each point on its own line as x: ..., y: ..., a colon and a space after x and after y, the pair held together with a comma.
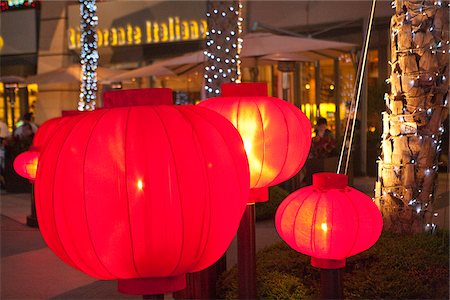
x: 25, y: 164
x: 276, y: 135
x: 142, y: 194
x: 329, y: 221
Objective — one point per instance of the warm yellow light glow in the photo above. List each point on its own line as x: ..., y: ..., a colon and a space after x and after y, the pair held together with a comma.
x: 251, y: 132
x: 32, y: 167
x: 372, y: 128
x: 331, y: 86
x: 248, y: 146
x: 307, y: 86
x: 324, y: 227
x: 140, y: 185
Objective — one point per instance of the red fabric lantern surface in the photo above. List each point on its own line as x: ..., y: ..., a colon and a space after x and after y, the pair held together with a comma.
x: 329, y: 221
x: 25, y: 164
x: 143, y: 194
x: 276, y: 135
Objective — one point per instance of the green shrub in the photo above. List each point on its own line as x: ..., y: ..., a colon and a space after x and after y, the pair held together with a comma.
x: 397, y: 267
x: 266, y: 210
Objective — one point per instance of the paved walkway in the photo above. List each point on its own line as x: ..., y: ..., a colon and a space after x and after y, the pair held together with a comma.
x: 29, y: 270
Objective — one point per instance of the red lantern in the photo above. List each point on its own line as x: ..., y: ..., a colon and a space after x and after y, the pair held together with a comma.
x: 142, y: 194
x: 276, y: 135
x: 329, y: 221
x: 25, y: 164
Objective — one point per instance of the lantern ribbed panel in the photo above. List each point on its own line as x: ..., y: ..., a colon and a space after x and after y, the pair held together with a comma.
x: 276, y: 135
x: 328, y: 223
x: 142, y: 192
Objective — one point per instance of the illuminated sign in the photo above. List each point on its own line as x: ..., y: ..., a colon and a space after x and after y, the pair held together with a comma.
x: 173, y: 29
x: 14, y: 4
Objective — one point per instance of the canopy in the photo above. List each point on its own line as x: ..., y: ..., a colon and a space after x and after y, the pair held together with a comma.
x: 71, y: 74
x: 12, y: 79
x: 264, y: 46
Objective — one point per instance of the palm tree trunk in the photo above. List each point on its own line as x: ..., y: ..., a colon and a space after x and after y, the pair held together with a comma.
x: 415, y: 109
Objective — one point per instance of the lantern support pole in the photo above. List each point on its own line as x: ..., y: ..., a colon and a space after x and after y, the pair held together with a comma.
x: 247, y: 254
x: 32, y: 219
x: 331, y: 284
x: 156, y: 297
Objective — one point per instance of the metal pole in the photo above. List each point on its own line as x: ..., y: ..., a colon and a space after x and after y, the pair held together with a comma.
x: 331, y: 284
x: 337, y: 99
x: 317, y: 90
x: 247, y: 254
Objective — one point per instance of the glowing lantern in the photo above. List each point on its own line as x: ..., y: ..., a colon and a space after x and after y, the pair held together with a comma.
x: 329, y: 221
x: 25, y: 164
x: 142, y: 194
x: 276, y: 135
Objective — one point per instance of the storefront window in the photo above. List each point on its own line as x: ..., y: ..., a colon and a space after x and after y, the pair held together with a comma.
x: 327, y: 107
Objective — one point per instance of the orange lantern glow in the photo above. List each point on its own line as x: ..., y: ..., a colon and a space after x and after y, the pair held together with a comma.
x: 329, y: 221
x: 25, y: 164
x: 142, y: 194
x: 276, y: 135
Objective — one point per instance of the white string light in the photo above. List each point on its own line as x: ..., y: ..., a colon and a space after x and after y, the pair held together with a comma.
x: 223, y: 45
x: 88, y: 55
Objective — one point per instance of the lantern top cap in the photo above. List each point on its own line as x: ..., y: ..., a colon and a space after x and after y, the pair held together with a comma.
x: 245, y: 89
x: 330, y: 180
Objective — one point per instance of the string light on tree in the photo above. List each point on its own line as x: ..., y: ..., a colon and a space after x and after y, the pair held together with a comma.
x: 223, y: 45
x: 88, y: 55
x: 416, y: 106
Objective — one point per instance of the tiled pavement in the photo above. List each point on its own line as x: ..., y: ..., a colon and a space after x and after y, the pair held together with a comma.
x: 29, y: 270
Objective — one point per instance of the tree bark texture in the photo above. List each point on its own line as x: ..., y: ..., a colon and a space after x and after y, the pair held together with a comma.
x: 222, y: 45
x: 415, y: 109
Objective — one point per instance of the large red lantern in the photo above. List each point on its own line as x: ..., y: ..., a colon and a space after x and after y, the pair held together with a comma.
x: 329, y: 221
x: 25, y: 164
x: 142, y: 194
x: 276, y: 134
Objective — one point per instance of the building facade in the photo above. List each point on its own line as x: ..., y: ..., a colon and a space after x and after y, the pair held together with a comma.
x: 132, y: 34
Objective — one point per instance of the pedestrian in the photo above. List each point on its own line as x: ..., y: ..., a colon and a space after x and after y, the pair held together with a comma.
x: 323, y: 144
x: 27, y: 129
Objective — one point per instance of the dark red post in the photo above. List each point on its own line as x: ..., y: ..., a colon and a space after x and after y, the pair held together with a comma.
x: 331, y: 284
x: 247, y: 254
x: 155, y: 297
x: 32, y: 218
